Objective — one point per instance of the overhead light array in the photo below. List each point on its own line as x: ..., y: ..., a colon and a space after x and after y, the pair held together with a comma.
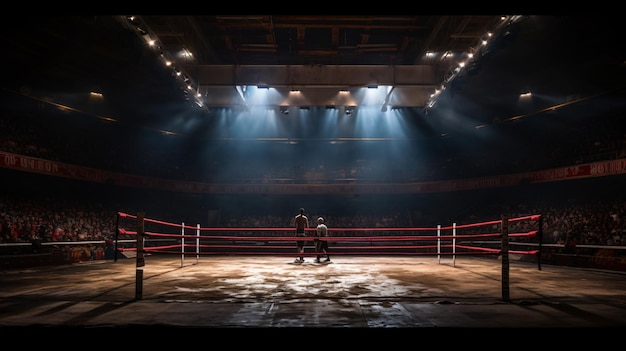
x: 469, y: 62
x: 190, y: 88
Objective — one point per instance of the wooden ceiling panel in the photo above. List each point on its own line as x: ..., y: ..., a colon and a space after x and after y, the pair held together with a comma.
x: 315, y: 39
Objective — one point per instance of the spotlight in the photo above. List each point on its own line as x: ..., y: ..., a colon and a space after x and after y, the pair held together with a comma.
x: 349, y: 110
x: 526, y: 94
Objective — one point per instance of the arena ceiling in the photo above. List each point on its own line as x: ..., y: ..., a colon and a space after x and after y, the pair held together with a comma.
x: 316, y: 55
x: 316, y: 39
x: 560, y: 59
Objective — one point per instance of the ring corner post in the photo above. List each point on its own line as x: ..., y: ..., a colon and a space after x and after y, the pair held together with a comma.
x: 140, y: 257
x: 540, y: 239
x: 117, y: 236
x: 439, y: 243
x: 182, y: 244
x: 454, y: 244
x: 505, y: 258
x: 197, y: 243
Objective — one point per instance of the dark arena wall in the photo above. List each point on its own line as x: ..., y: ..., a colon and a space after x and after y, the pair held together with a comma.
x: 432, y: 208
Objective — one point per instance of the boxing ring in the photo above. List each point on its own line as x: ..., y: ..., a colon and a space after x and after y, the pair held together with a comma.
x: 490, y: 238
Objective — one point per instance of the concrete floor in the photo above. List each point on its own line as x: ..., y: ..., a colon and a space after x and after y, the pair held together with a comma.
x: 273, y: 292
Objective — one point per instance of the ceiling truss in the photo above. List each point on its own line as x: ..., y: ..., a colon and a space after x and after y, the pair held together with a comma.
x: 316, y: 55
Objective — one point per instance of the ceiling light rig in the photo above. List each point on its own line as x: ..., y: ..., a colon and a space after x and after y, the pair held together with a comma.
x: 188, y: 85
x: 470, y: 62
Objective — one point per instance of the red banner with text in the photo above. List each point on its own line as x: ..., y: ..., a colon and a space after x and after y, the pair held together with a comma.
x: 58, y: 169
